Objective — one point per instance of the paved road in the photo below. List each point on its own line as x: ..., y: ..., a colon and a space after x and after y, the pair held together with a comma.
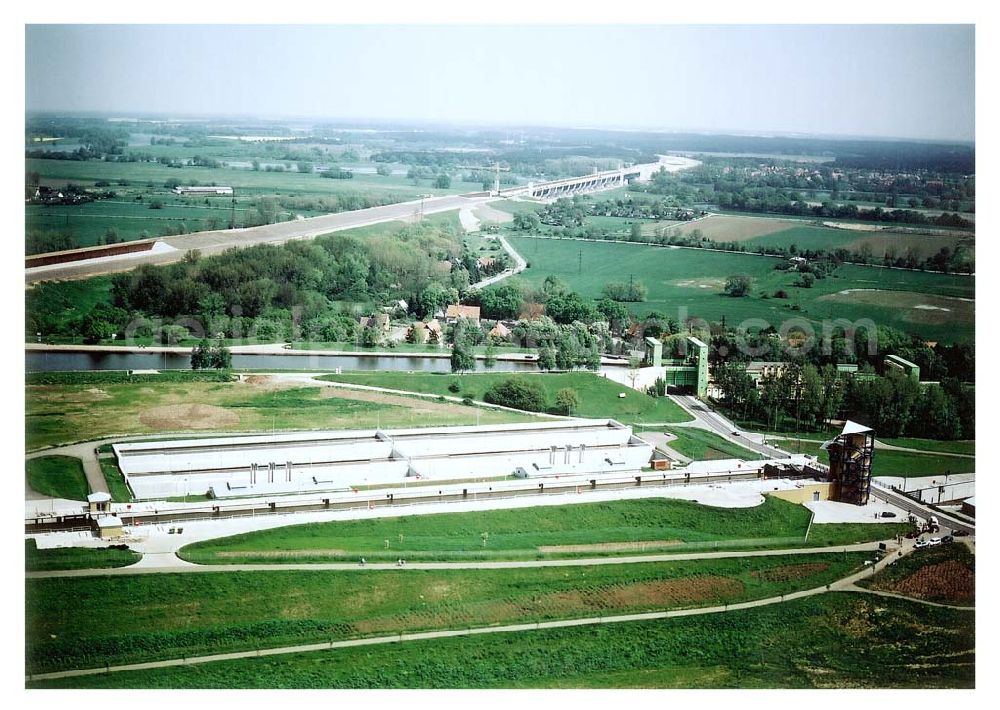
x: 920, y: 510
x: 707, y: 418
x: 213, y: 242
x: 179, y: 566
x: 845, y: 583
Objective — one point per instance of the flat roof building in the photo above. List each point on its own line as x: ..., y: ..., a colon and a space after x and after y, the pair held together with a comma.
x: 202, y: 190
x: 109, y: 527
x: 907, y: 367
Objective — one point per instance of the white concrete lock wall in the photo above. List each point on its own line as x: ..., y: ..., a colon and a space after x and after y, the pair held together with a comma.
x: 188, y: 467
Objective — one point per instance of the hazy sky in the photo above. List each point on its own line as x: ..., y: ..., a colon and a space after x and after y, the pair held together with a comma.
x: 913, y: 81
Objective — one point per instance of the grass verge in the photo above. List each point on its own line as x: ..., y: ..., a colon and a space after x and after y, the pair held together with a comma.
x: 578, y: 530
x: 699, y: 444
x: 57, y: 476
x: 62, y: 558
x: 116, y: 481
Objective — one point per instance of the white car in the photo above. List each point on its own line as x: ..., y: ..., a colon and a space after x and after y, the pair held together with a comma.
x: 920, y: 542
x: 934, y: 541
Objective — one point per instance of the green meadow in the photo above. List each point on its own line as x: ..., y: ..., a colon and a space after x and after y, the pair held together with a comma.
x: 689, y: 282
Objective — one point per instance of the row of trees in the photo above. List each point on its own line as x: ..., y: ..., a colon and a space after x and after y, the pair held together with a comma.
x: 806, y: 397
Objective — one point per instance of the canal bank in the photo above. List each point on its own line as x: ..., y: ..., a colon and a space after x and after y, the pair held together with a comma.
x: 61, y: 358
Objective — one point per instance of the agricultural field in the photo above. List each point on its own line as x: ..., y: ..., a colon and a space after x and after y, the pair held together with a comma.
x: 836, y: 640
x: 945, y: 574
x: 174, y: 615
x: 61, y: 558
x: 583, y: 529
x: 598, y: 396
x: 689, y: 282
x: 755, y: 231
x: 138, y: 185
x: 64, y: 413
x: 57, y: 476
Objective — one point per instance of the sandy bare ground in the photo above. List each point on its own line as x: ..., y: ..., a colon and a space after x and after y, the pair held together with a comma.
x: 418, y: 405
x: 470, y: 223
x: 490, y: 214
x: 173, y: 417
x: 855, y: 227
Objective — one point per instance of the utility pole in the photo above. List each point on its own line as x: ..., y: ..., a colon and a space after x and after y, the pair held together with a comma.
x: 580, y: 266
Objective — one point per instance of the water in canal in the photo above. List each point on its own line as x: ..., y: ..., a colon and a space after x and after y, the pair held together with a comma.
x: 44, y: 361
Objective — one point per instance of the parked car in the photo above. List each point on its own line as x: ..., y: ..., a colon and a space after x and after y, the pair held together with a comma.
x: 921, y: 543
x: 934, y: 541
x: 888, y: 514
x: 960, y: 533
x: 947, y: 538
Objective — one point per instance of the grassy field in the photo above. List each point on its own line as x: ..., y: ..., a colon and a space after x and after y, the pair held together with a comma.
x: 887, y: 462
x: 598, y: 396
x: 585, y: 529
x: 957, y: 446
x: 689, y: 282
x: 116, y: 481
x: 699, y: 444
x: 837, y: 640
x: 57, y: 476
x: 945, y: 574
x: 60, y: 558
x: 192, y: 614
x: 965, y: 446
x: 64, y: 413
x: 784, y: 232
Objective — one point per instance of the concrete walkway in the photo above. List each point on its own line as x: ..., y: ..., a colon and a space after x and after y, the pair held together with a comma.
x: 841, y: 584
x: 165, y: 565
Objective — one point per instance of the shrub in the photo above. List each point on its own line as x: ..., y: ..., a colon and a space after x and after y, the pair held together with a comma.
x: 518, y: 393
